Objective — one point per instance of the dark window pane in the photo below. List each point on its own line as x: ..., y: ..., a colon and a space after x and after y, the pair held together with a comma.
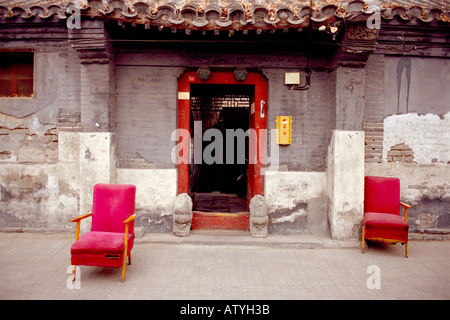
x: 24, y: 70
x: 24, y: 88
x: 5, y: 88
x: 16, y: 74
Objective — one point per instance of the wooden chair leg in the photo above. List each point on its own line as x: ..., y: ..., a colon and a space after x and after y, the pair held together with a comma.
x: 362, y: 240
x: 73, y: 274
x: 406, y: 249
x: 129, y: 259
x: 124, y: 269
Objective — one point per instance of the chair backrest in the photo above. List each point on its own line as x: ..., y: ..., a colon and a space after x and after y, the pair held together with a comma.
x: 382, y: 195
x: 112, y: 204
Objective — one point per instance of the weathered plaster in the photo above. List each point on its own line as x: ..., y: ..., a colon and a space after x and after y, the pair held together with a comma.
x: 38, y: 196
x: 291, y: 201
x: 96, y: 160
x: 428, y: 136
x: 345, y: 184
x: 155, y: 196
x: 27, y: 140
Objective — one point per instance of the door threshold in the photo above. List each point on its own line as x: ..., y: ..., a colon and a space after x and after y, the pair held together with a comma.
x: 218, y: 213
x: 220, y: 221
x: 225, y: 233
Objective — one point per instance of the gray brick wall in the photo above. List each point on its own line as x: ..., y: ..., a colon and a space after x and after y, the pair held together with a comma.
x: 145, y: 115
x: 311, y: 119
x: 95, y: 96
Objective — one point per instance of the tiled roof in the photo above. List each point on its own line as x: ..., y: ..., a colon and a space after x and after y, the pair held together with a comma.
x: 230, y: 14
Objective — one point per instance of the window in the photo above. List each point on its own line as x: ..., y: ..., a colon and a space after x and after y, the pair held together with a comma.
x: 16, y: 74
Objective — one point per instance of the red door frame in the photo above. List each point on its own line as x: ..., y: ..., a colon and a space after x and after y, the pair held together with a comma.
x: 258, y: 120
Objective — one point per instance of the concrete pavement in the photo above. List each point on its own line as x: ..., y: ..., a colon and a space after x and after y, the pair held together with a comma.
x: 208, y: 266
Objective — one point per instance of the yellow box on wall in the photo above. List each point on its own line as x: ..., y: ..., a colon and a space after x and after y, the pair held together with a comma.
x: 284, y: 130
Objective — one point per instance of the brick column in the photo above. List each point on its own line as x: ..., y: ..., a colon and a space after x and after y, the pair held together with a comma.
x: 349, y: 98
x: 97, y: 74
x: 95, y: 97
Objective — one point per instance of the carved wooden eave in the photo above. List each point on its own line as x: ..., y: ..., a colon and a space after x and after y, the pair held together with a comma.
x: 358, y: 43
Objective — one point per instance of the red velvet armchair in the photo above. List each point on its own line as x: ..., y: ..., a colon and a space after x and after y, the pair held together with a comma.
x: 111, y: 238
x: 382, y: 220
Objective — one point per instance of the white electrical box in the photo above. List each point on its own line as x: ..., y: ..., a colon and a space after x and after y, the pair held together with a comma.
x: 292, y: 78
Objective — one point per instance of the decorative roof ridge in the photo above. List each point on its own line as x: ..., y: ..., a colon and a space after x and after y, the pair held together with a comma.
x: 213, y: 14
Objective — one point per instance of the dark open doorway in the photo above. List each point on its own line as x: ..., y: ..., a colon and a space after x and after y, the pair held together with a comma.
x: 224, y: 84
x: 219, y: 182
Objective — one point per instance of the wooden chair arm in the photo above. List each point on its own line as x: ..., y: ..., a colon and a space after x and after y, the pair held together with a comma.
x: 80, y: 217
x: 130, y: 218
x: 406, y: 207
x: 78, y: 221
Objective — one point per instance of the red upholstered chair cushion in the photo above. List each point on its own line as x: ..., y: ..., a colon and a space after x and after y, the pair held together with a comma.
x: 97, y: 248
x: 384, y: 220
x: 100, y: 242
x: 385, y: 226
x: 382, y: 195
